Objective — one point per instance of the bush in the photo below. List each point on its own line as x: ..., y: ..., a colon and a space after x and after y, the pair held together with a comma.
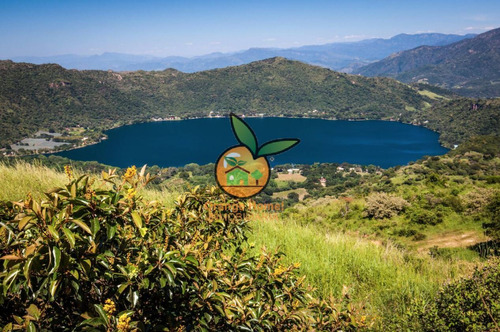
x: 382, y: 205
x: 96, y: 258
x: 425, y: 217
x: 476, y: 200
x: 492, y: 212
x: 471, y: 304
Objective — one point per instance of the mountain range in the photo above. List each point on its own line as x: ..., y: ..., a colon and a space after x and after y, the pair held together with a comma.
x: 344, y: 56
x: 470, y: 67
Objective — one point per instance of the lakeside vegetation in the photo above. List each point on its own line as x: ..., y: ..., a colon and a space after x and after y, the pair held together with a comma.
x: 392, y: 237
x: 49, y: 97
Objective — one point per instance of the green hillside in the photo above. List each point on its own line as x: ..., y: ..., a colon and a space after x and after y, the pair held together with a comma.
x: 47, y: 96
x: 34, y: 97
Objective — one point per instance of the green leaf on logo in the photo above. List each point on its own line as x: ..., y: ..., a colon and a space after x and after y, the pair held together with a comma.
x: 244, y: 133
x: 241, y: 163
x: 277, y: 146
x: 231, y: 161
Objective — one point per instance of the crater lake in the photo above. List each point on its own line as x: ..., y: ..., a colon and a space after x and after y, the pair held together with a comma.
x: 201, y: 141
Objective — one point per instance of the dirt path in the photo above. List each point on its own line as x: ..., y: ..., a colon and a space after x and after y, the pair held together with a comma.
x: 452, y: 240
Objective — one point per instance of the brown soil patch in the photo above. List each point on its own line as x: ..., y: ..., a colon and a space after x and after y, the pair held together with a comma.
x: 291, y: 177
x: 452, y: 240
x: 283, y: 194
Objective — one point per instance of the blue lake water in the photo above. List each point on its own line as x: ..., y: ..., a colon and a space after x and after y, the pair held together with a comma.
x: 177, y: 143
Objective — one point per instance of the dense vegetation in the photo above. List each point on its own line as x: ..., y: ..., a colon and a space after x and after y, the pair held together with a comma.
x: 469, y: 304
x: 99, y: 257
x: 391, y: 237
x: 49, y: 97
x: 469, y: 67
x: 456, y: 119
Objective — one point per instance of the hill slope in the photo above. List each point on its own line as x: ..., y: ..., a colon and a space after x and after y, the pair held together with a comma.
x: 338, y: 56
x: 470, y: 67
x: 49, y: 96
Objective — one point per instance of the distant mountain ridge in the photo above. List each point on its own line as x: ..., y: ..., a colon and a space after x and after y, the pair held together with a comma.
x: 338, y: 56
x: 470, y: 67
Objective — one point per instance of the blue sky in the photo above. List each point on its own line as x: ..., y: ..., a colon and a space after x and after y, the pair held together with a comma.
x: 188, y: 28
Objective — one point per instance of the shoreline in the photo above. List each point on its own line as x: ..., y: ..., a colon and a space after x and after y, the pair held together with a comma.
x: 227, y: 117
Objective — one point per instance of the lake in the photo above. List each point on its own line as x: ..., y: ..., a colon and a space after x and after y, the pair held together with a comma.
x: 177, y: 143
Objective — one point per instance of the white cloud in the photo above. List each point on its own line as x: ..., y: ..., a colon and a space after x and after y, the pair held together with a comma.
x: 269, y: 39
x: 355, y: 37
x: 478, y: 28
x: 189, y: 44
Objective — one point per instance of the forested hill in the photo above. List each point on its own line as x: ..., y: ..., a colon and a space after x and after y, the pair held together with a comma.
x: 34, y: 97
x: 49, y: 96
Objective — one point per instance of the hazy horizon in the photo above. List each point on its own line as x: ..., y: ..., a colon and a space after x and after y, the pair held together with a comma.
x: 194, y: 28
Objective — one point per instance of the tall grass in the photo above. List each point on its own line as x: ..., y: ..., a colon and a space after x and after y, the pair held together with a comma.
x: 382, y: 277
x: 18, y: 180
x: 22, y: 178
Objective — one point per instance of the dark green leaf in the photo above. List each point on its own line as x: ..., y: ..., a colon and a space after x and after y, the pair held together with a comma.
x: 56, y: 256
x: 94, y: 226
x: 111, y: 231
x: 31, y: 327
x: 277, y: 146
x: 101, y: 313
x: 231, y: 161
x: 244, y: 133
x: 69, y: 236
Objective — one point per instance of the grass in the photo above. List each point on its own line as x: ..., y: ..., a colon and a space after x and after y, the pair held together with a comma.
x: 382, y: 277
x: 23, y: 178
x: 432, y: 95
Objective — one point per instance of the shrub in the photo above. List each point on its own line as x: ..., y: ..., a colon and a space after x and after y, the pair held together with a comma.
x: 470, y: 304
x: 425, y: 217
x: 476, y: 200
x: 492, y: 212
x: 382, y: 205
x: 453, y: 202
x: 101, y: 258
x: 406, y: 232
x: 419, y: 237
x: 293, y: 196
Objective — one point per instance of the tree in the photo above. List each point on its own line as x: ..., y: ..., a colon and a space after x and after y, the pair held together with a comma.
x: 492, y: 211
x: 256, y: 175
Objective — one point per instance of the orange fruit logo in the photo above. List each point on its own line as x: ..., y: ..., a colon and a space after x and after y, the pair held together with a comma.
x: 243, y: 171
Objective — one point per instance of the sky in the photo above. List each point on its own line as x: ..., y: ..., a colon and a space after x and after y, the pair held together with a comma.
x: 190, y: 28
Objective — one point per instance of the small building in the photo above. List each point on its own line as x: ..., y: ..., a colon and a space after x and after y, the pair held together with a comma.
x: 237, y: 176
x: 322, y: 181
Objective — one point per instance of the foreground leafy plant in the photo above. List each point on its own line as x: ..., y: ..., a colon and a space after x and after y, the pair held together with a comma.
x: 469, y: 304
x: 96, y: 256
